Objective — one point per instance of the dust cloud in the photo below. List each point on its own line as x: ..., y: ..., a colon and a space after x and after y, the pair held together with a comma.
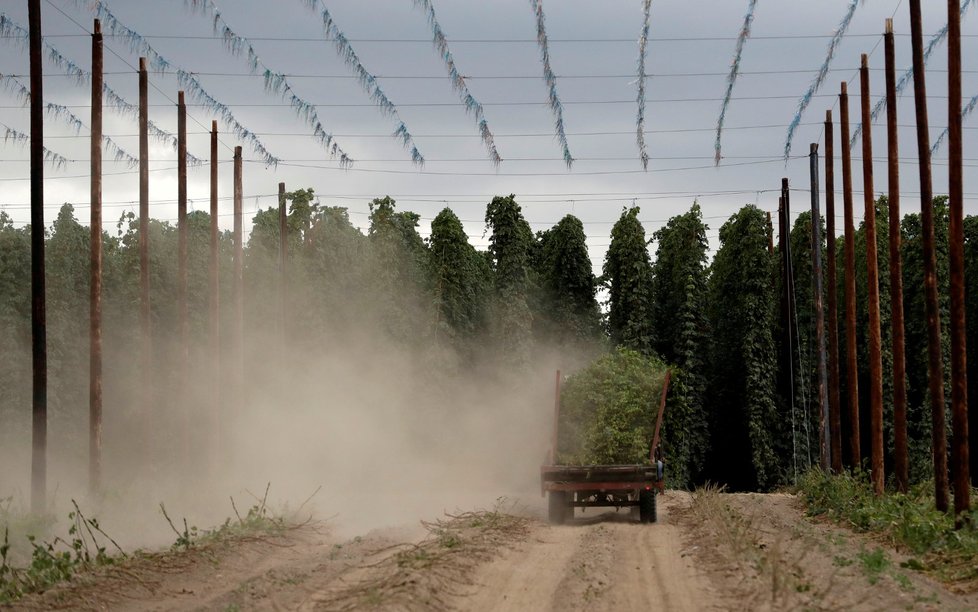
x: 349, y: 426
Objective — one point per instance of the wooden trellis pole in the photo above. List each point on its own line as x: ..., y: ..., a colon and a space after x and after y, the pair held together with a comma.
x: 238, y: 281
x: 283, y: 253
x: 835, y: 413
x: 39, y: 351
x: 146, y: 348
x: 214, y: 319
x: 935, y: 362
x: 183, y: 314
x: 95, y: 286
x: 825, y: 442
x: 901, y: 465
x: 873, y: 290
x: 959, y: 371
x: 852, y: 373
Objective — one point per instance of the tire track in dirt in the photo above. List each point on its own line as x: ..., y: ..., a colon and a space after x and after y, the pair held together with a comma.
x: 653, y: 571
x: 602, y: 562
x: 526, y: 578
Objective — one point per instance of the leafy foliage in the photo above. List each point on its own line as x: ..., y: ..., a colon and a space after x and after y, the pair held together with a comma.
x: 510, y: 246
x: 744, y: 417
x: 608, y: 410
x: 628, y: 277
x: 799, y: 399
x: 568, y: 312
x: 679, y: 290
x: 905, y: 520
x: 55, y: 561
x: 459, y: 279
x: 918, y: 398
x: 971, y: 321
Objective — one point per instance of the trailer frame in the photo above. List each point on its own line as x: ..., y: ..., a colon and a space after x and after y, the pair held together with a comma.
x: 590, y: 486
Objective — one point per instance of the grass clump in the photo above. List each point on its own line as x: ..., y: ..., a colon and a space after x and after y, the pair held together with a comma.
x: 258, y: 521
x: 907, y: 521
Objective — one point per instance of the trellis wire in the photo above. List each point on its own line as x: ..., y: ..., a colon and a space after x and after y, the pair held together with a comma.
x: 61, y: 112
x: 472, y: 106
x: 551, y: 80
x: 13, y: 31
x: 367, y: 80
x: 967, y: 110
x: 734, y: 71
x: 643, y: 44
x: 59, y: 161
x: 823, y: 71
x: 906, y: 77
x: 275, y: 82
x: 137, y: 43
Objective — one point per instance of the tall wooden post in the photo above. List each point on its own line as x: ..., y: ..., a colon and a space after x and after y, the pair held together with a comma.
x: 835, y: 413
x: 787, y: 339
x: 283, y: 252
x: 554, y: 439
x: 873, y: 280
x: 959, y: 371
x: 39, y: 350
x: 935, y: 362
x: 901, y: 466
x: 238, y: 281
x: 852, y: 373
x: 183, y: 313
x: 146, y: 348
x: 214, y: 319
x: 95, y: 286
x: 825, y: 441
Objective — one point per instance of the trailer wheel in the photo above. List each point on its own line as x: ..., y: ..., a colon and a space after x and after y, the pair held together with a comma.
x: 646, y: 506
x: 557, y: 507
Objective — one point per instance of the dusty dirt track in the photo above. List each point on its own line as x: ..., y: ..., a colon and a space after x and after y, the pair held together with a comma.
x: 709, y: 551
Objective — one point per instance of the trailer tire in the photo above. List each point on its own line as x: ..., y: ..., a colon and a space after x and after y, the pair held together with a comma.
x: 557, y: 508
x: 646, y: 506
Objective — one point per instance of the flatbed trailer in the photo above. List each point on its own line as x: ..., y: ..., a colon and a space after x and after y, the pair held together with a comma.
x: 588, y: 486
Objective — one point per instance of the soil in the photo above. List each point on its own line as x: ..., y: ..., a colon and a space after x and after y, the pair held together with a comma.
x: 708, y: 551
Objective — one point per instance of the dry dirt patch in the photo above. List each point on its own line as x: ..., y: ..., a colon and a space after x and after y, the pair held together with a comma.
x: 768, y: 555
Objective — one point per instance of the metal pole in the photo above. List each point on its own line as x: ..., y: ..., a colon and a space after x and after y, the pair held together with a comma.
x: 835, y: 413
x: 182, y: 307
x: 39, y: 351
x: 873, y: 280
x: 215, y: 302
x: 238, y: 281
x: 95, y: 286
x: 935, y: 362
x: 282, y: 262
x: 959, y: 372
x: 823, y: 402
x: 852, y: 373
x: 901, y: 466
x: 146, y: 357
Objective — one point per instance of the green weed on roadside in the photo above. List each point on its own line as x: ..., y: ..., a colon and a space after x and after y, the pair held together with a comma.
x: 907, y: 521
x: 57, y: 560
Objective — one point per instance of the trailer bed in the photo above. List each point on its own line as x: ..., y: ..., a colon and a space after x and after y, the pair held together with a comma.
x: 615, y: 485
x: 598, y: 477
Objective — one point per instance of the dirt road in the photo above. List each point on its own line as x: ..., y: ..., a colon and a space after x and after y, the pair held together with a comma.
x: 597, y: 561
x: 709, y: 551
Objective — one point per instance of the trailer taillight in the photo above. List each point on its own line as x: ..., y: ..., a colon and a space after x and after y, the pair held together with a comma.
x: 648, y: 488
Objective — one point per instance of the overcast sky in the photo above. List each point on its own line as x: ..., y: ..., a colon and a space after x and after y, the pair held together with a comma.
x: 594, y: 51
